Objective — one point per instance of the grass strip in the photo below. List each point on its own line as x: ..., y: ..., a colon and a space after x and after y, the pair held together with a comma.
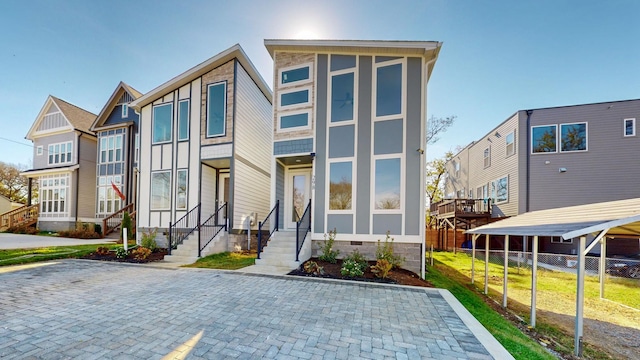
x: 26, y: 256
x: 225, y: 261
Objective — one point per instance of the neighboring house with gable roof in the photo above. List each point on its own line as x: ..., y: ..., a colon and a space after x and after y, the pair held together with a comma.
x: 64, y: 155
x: 117, y: 155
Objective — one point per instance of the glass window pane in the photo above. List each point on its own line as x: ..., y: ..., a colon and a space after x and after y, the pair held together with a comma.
x: 292, y: 98
x: 299, y: 197
x: 629, y: 127
x: 216, y: 112
x: 342, y: 97
x: 501, y: 190
x: 162, y: 123
x: 340, y: 184
x: 387, y: 184
x: 296, y: 120
x: 183, y: 120
x: 160, y: 182
x: 299, y: 74
x: 573, y: 137
x: 389, y: 90
x: 543, y: 139
x: 181, y: 191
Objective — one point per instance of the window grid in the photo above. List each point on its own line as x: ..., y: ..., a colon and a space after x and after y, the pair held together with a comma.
x: 60, y: 153
x: 53, y: 194
x: 629, y: 127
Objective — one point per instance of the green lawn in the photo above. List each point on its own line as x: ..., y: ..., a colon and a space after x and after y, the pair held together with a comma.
x: 225, y: 260
x: 25, y: 256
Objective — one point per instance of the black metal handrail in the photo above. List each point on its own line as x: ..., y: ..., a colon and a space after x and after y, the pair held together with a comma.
x: 272, y: 229
x: 303, y: 227
x: 184, y: 227
x: 211, y: 228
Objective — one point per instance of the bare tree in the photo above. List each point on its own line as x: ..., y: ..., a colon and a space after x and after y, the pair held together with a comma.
x: 436, y: 126
x: 436, y: 169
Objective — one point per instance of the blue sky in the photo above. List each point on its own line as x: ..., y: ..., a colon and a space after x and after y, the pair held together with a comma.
x: 497, y: 56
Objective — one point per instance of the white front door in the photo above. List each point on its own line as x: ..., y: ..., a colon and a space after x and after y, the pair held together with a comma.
x: 297, y: 195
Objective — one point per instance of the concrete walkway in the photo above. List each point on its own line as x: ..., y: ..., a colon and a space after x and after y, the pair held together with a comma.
x: 93, y: 310
x: 21, y: 241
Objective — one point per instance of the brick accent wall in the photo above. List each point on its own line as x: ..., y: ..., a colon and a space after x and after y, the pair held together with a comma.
x: 221, y: 73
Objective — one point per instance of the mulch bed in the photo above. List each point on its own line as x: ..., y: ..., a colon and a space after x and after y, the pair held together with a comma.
x: 154, y: 256
x: 396, y: 276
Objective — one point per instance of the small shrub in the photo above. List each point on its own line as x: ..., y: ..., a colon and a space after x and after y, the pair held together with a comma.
x: 82, y: 231
x: 141, y: 253
x: 98, y: 228
x: 149, y: 240
x: 312, y: 267
x: 354, y: 265
x: 121, y: 253
x: 385, y: 251
x: 127, y: 224
x: 328, y: 253
x: 22, y: 229
x: 102, y: 250
x: 381, y: 268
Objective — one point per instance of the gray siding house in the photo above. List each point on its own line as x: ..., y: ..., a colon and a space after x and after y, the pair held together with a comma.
x: 552, y: 157
x: 349, y: 141
x: 205, y: 140
x: 64, y: 153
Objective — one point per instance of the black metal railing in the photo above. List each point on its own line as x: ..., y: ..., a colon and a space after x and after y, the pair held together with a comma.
x: 184, y: 227
x: 302, y: 229
x: 274, y: 215
x: 211, y: 228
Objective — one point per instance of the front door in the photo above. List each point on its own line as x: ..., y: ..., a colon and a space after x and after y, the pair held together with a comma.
x: 297, y: 195
x: 223, y: 196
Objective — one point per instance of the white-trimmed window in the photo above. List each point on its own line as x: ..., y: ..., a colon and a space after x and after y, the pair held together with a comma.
x: 559, y: 240
x: 342, y: 96
x: 341, y: 185
x: 295, y: 75
x: 181, y: 190
x: 456, y: 167
x: 294, y: 120
x: 161, y: 190
x: 60, y: 153
x: 125, y: 111
x: 510, y: 141
x: 183, y: 120
x: 629, y: 127
x: 294, y: 98
x: 387, y: 184
x: 388, y: 89
x: 108, y: 201
x: 137, y: 147
x: 111, y: 149
x: 53, y: 194
x: 39, y: 150
x: 544, y: 139
x: 486, y: 156
x: 500, y: 190
x: 573, y: 137
x: 217, y: 109
x: 162, y: 121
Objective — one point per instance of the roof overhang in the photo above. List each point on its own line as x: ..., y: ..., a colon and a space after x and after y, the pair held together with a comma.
x: 39, y: 172
x: 618, y: 218
x: 186, y: 77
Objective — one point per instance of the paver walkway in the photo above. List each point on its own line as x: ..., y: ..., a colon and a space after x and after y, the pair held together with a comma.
x: 22, y: 241
x: 90, y: 310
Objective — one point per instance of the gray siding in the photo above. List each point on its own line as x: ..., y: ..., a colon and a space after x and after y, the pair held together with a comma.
x: 387, y: 222
x: 363, y: 166
x: 414, y: 159
x: 87, y: 182
x: 341, y: 141
x: 41, y: 161
x: 343, y: 223
x: 280, y: 193
x: 321, y: 148
x: 297, y: 146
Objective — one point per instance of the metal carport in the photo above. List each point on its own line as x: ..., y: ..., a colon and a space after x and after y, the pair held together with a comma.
x: 611, y: 219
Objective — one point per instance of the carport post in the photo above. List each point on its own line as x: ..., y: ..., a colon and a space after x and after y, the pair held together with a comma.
x: 473, y: 256
x: 486, y: 264
x: 603, y: 264
x: 506, y: 271
x: 580, y: 297
x: 534, y: 280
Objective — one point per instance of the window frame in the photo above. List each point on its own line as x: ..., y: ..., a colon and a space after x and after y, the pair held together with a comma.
x: 351, y: 161
x: 494, y: 191
x: 125, y: 111
x: 374, y: 88
x: 556, y: 140
x: 49, y: 186
x: 354, y: 112
x: 186, y: 189
x: 512, y: 144
x: 560, y: 240
x: 224, y: 111
x: 180, y: 102
x: 624, y: 127
x: 52, y: 153
x: 486, y: 157
x: 296, y: 105
x: 151, y: 204
x: 586, y: 137
x: 294, y: 128
x: 401, y: 179
x: 39, y: 150
x: 295, y: 67
x: 153, y: 124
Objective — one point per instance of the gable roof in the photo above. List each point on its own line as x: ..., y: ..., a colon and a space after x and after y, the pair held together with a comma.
x: 186, y: 77
x: 112, y: 102
x: 620, y: 218
x: 428, y: 50
x: 78, y: 118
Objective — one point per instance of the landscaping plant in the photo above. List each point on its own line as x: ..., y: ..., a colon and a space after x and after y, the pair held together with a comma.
x: 141, y: 253
x: 102, y: 250
x: 385, y: 251
x: 354, y: 265
x: 127, y: 224
x: 328, y: 253
x: 312, y: 267
x: 121, y: 253
x: 149, y: 240
x: 381, y: 268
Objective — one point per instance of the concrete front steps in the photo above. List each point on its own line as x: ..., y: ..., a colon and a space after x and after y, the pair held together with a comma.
x: 187, y: 252
x: 279, y: 256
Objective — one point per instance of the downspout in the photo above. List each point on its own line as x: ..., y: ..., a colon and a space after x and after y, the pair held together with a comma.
x: 528, y: 160
x: 78, y: 175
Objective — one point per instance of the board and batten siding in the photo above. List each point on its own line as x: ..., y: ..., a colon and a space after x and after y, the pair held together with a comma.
x: 143, y: 218
x: 87, y: 174
x: 208, y: 191
x: 252, y: 150
x: 193, y: 195
x: 607, y: 171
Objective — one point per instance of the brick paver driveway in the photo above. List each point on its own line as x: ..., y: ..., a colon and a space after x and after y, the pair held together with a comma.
x: 84, y: 309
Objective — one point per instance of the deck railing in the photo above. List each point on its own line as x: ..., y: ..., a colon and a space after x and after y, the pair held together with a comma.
x: 461, y: 206
x: 113, y: 221
x: 212, y: 227
x: 303, y: 227
x: 274, y: 216
x: 184, y: 227
x: 26, y: 215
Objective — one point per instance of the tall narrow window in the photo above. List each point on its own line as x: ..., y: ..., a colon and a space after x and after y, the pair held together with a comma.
x: 137, y: 146
x: 500, y: 190
x: 389, y: 90
x: 181, y: 190
x: 387, y: 184
x: 125, y: 111
x: 511, y: 143
x: 543, y: 139
x: 487, y: 157
x: 342, y: 97
x: 573, y: 137
x: 216, y: 109
x: 160, y: 190
x: 162, y: 118
x: 183, y: 120
x: 340, y: 185
x: 629, y: 127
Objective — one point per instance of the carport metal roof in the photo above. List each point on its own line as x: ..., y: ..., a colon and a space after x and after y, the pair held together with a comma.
x: 620, y: 218
x: 606, y: 219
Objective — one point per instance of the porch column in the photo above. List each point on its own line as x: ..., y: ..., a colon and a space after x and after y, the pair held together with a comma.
x: 580, y: 297
x: 506, y: 271
x: 603, y: 264
x: 473, y: 256
x: 29, y: 190
x: 534, y: 280
x: 486, y: 264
